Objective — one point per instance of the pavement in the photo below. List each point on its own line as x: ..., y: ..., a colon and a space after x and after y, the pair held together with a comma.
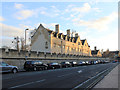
x: 111, y: 80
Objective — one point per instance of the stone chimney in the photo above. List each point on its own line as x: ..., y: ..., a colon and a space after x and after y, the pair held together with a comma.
x: 68, y: 32
x: 57, y: 28
x: 76, y: 35
x: 95, y: 48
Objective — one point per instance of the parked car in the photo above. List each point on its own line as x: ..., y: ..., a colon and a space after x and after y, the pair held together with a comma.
x: 88, y: 62
x: 81, y: 63
x: 53, y: 65
x: 96, y: 61
x: 103, y: 61
x: 106, y: 61
x: 73, y: 63
x: 35, y: 65
x: 114, y: 61
x: 4, y: 67
x: 65, y: 64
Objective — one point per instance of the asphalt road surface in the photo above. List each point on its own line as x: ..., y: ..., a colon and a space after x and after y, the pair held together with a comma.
x: 58, y: 78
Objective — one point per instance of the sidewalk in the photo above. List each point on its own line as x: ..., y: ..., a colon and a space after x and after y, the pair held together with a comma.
x: 110, y: 80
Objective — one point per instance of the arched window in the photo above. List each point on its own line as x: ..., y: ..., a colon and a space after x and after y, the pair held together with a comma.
x: 46, y: 45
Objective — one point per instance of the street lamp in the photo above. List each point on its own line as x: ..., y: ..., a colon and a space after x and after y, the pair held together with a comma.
x: 61, y: 46
x: 25, y: 42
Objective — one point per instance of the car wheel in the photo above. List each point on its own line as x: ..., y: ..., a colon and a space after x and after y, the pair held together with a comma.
x: 14, y: 70
x: 53, y: 67
x: 45, y: 68
x: 34, y: 68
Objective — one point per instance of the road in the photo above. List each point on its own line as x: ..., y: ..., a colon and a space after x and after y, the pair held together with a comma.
x: 58, y: 78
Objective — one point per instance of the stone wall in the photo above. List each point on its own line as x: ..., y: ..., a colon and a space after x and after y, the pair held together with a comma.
x: 13, y: 57
x: 11, y: 53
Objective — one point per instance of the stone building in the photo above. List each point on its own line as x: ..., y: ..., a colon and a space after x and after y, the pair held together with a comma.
x: 45, y: 40
x: 96, y: 52
x: 111, y: 54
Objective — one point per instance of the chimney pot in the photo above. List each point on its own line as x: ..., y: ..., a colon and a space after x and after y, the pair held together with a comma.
x: 95, y: 48
x: 76, y: 35
x: 68, y: 32
x: 57, y: 28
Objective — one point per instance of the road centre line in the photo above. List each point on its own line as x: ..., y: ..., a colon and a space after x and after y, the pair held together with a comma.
x: 27, y: 84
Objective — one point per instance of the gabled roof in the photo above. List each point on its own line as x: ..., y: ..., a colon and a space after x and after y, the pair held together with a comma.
x: 75, y: 39
x: 59, y: 34
x: 94, y: 52
x: 88, y: 45
x: 64, y: 36
x: 83, y: 41
x: 116, y: 52
x: 37, y: 30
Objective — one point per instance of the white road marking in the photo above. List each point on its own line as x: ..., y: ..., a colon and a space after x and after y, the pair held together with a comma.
x: 27, y: 84
x: 79, y: 71
x: 65, y: 75
x: 89, y: 79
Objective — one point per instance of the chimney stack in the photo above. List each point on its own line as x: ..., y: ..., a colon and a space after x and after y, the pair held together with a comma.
x: 57, y: 28
x: 95, y: 48
x: 68, y: 32
x: 76, y: 35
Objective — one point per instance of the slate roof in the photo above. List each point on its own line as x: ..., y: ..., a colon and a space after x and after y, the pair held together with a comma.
x: 83, y: 41
x: 88, y: 45
x: 75, y: 39
x: 94, y: 52
x: 116, y: 52
x: 59, y: 34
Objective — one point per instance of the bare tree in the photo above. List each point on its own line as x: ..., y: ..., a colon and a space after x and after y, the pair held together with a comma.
x: 16, y: 42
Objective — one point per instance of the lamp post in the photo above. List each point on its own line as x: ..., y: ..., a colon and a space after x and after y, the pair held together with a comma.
x: 25, y: 43
x: 61, y: 46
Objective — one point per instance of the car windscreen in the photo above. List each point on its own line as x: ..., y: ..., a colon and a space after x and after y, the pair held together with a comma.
x: 54, y: 63
x: 36, y: 62
x: 28, y: 62
x: 74, y: 62
x: 67, y: 62
x: 4, y: 64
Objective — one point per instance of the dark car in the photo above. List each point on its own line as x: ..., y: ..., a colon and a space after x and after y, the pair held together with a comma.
x: 35, y: 65
x: 73, y: 63
x: 4, y: 67
x: 53, y: 65
x: 65, y: 64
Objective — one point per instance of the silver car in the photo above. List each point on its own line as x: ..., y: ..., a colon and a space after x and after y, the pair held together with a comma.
x: 4, y: 67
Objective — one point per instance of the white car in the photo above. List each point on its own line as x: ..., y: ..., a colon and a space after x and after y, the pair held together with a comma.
x: 82, y: 63
x: 4, y: 67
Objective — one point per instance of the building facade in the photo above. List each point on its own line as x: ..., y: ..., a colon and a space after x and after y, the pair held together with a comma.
x: 96, y: 52
x: 111, y: 54
x: 45, y: 40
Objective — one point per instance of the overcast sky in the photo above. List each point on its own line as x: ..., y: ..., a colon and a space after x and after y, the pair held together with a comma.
x: 95, y: 21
